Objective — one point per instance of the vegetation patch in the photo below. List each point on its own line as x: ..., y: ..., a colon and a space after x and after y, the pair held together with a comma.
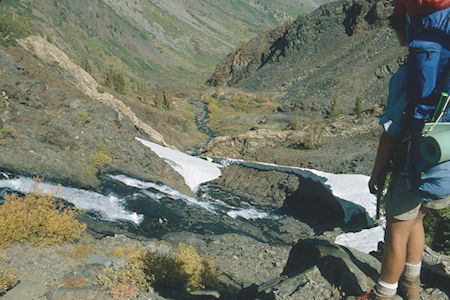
x: 37, y: 218
x: 84, y: 116
x: 7, y: 281
x: 437, y: 230
x: 163, y: 100
x: 12, y: 29
x: 335, y: 110
x: 182, y: 270
x: 80, y: 251
x: 7, y: 132
x: 96, y: 162
x: 116, y: 80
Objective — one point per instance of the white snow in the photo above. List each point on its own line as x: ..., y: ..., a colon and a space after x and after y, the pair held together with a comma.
x: 109, y: 206
x: 350, y: 190
x: 365, y: 240
x: 194, y: 170
x: 347, y: 188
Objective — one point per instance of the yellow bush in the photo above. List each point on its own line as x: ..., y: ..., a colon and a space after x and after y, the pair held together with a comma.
x: 185, y: 269
x: 200, y: 273
x: 132, y: 275
x: 38, y: 219
x: 7, y: 281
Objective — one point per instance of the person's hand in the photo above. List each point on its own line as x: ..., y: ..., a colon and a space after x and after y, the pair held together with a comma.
x: 373, y: 185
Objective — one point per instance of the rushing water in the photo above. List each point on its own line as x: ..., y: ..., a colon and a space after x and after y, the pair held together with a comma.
x: 153, y: 209
x: 156, y: 209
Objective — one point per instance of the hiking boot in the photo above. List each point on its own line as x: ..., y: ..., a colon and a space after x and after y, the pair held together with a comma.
x: 373, y: 295
x: 409, y: 287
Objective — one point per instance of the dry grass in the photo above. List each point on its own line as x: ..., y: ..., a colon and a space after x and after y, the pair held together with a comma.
x: 80, y: 251
x: 7, y: 281
x: 37, y: 218
x: 132, y: 275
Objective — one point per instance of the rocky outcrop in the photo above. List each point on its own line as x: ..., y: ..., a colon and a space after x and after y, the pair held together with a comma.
x: 55, y: 124
x: 300, y: 194
x: 341, y: 51
x: 237, y: 65
x: 50, y: 54
x: 319, y: 267
x: 246, y: 143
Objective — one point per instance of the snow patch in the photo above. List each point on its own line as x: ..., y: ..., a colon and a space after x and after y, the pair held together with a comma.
x: 194, y: 170
x: 349, y: 189
x: 365, y: 240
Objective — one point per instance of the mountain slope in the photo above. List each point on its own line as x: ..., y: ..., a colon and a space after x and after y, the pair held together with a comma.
x: 158, y: 42
x: 336, y: 54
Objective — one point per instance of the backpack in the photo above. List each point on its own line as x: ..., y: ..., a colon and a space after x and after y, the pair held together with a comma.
x: 428, y: 66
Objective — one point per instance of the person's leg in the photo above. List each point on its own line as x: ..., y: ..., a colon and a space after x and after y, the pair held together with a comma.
x: 396, y: 241
x: 416, y: 240
x: 409, y: 285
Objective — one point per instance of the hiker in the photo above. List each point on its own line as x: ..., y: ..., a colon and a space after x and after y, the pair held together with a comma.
x: 415, y: 186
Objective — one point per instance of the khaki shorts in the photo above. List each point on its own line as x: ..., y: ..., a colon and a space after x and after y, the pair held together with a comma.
x: 403, y: 204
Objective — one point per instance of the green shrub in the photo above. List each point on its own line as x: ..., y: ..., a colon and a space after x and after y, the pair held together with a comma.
x: 313, y: 139
x: 163, y: 100
x: 186, y: 269
x: 7, y: 281
x: 358, y: 106
x: 7, y: 132
x: 86, y: 65
x: 49, y: 39
x: 116, y: 80
x: 131, y: 275
x: 37, y: 218
x: 296, y: 124
x: 437, y: 229
x: 10, y: 29
x: 84, y: 116
x: 335, y: 110
x: 96, y: 162
x: 100, y: 158
x: 240, y: 104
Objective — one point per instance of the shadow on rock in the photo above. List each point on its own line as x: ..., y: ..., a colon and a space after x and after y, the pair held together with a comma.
x: 314, y: 204
x: 319, y: 266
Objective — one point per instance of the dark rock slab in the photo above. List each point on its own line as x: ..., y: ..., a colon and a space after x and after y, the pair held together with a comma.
x: 317, y: 266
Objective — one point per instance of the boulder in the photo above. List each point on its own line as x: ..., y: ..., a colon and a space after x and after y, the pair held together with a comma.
x: 317, y: 266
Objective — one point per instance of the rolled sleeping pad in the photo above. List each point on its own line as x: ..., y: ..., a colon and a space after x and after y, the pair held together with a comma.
x: 435, y: 147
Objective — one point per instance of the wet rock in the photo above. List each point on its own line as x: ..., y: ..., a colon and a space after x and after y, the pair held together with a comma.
x: 264, y: 189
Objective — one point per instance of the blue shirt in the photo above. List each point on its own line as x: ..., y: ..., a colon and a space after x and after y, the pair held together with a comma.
x: 435, y: 181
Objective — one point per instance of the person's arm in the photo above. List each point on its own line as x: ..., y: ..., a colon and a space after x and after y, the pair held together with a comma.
x: 384, y: 152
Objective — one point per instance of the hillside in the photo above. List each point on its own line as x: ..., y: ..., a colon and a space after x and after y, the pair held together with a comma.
x: 156, y: 43
x: 339, y: 52
x: 326, y: 74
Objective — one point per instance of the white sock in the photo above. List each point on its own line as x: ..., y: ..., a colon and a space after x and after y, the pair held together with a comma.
x: 386, y: 289
x: 411, y: 270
